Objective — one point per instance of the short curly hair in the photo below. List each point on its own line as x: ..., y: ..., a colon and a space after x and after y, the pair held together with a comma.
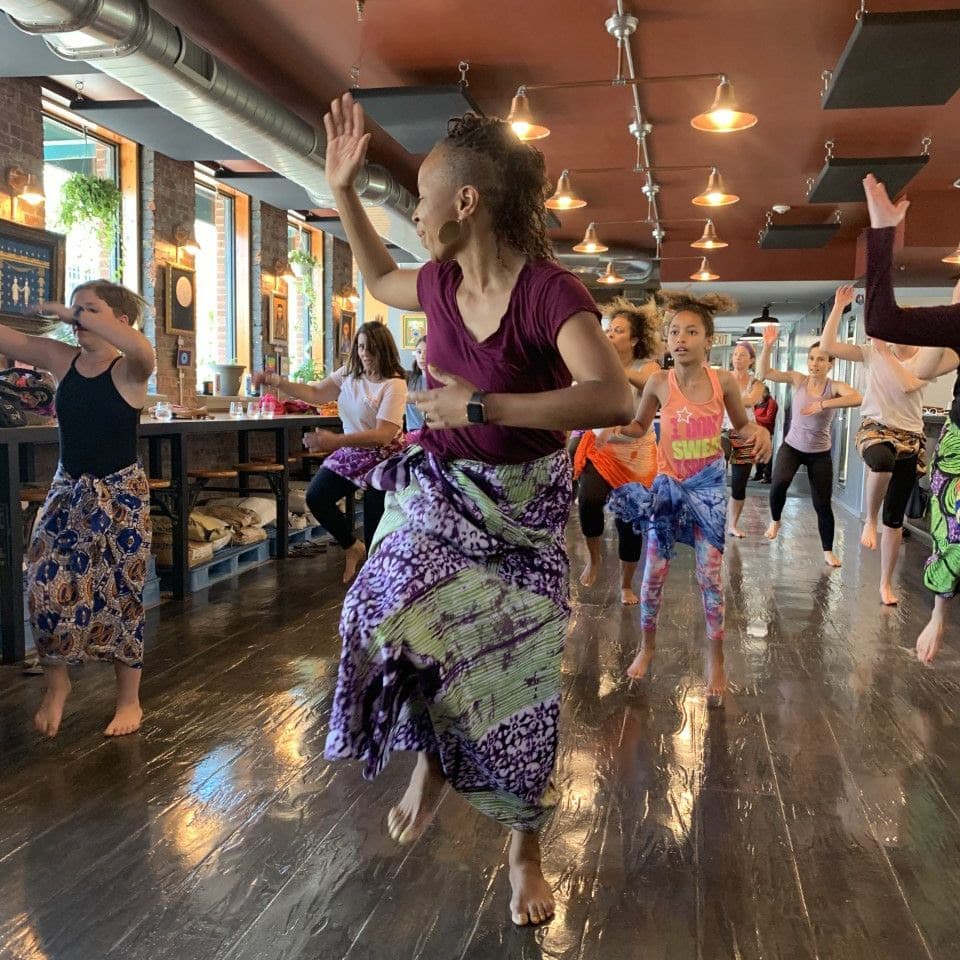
x: 510, y: 175
x: 645, y: 322
x: 704, y: 307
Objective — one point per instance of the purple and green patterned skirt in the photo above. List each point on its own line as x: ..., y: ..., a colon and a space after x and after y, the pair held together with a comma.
x: 354, y: 463
x: 454, y: 629
x: 86, y: 568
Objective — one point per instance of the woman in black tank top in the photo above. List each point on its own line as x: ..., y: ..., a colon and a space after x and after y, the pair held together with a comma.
x: 87, y: 561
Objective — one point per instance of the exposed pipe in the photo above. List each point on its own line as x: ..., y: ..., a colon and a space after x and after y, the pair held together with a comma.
x: 135, y: 45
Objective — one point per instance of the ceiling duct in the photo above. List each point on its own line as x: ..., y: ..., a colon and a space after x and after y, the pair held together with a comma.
x: 135, y: 45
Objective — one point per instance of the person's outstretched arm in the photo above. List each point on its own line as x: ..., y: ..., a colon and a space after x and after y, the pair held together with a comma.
x: 346, y: 150
x: 764, y: 370
x: 828, y: 339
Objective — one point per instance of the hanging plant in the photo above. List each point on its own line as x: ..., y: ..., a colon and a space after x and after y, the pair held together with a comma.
x: 304, y: 263
x: 91, y: 200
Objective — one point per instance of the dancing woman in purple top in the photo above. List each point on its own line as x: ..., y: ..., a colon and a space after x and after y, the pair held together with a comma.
x: 454, y: 628
x: 807, y: 443
x: 922, y: 327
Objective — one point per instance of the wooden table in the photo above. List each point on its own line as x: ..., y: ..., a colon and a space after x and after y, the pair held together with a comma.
x: 17, y: 466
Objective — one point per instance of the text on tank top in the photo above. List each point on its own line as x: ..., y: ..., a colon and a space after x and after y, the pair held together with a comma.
x: 690, y: 431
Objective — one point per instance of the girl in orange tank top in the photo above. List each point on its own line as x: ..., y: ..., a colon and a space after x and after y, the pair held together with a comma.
x: 688, y: 499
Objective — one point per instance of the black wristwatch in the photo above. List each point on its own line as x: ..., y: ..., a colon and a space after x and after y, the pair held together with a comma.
x: 476, y: 412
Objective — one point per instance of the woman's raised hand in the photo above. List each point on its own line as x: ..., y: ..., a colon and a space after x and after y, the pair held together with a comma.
x: 844, y: 296
x: 770, y: 335
x: 346, y: 142
x: 883, y: 211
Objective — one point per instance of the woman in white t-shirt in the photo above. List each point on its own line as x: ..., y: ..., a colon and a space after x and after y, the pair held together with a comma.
x: 371, y: 393
x: 891, y: 439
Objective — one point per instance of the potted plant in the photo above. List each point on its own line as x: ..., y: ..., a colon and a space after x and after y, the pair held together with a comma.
x: 307, y: 372
x: 303, y: 263
x: 227, y: 377
x: 85, y: 199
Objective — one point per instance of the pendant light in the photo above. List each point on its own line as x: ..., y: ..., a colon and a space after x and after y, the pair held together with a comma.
x: 723, y: 115
x: 590, y: 242
x: 764, y: 320
x: 521, y: 120
x: 704, y: 273
x: 953, y: 257
x: 610, y: 276
x: 715, y: 194
x: 565, y: 197
x: 709, y: 239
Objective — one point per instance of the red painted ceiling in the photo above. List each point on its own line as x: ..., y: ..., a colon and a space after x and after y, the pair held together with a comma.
x: 773, y: 50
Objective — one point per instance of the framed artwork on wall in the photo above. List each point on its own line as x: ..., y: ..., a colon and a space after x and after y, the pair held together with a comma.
x: 413, y: 326
x: 277, y: 320
x: 180, y: 297
x: 347, y: 327
x: 31, y: 271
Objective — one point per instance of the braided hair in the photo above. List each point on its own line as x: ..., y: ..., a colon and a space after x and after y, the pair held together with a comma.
x: 511, y: 177
x: 704, y: 307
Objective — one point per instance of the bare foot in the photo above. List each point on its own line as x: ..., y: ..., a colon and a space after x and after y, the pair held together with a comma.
x: 929, y: 641
x: 48, y: 716
x: 125, y: 720
x: 641, y: 662
x: 628, y: 598
x: 409, y: 819
x: 716, y: 676
x: 771, y: 532
x: 831, y: 559
x: 887, y: 597
x: 589, y: 576
x: 354, y: 555
x: 869, y: 536
x: 736, y: 532
x: 532, y: 900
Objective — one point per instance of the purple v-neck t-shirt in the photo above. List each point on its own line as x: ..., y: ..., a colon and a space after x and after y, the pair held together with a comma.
x: 521, y: 356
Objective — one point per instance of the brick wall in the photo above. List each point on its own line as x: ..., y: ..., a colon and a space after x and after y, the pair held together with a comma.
x: 21, y: 143
x: 273, y: 247
x: 172, y: 204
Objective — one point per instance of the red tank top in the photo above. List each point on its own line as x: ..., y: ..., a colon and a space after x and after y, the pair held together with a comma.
x: 690, y: 432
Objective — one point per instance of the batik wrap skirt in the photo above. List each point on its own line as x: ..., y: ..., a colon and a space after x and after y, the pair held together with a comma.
x: 86, y: 567
x: 454, y: 629
x: 942, y: 571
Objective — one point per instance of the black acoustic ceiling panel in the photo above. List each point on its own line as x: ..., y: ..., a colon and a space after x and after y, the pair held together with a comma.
x: 797, y: 236
x: 841, y: 179
x: 271, y: 188
x: 144, y: 122
x: 416, y: 117
x: 898, y: 60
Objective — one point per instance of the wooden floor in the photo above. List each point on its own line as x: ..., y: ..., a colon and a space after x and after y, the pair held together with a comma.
x: 816, y: 815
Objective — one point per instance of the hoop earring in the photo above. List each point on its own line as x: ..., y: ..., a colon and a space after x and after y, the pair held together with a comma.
x: 450, y: 232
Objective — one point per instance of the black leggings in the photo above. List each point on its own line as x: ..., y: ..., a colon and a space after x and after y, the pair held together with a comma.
x: 882, y: 458
x: 819, y: 472
x: 739, y: 475
x: 326, y: 490
x: 593, y: 494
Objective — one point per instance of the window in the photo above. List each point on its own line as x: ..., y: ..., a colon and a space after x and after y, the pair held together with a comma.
x: 216, y: 265
x: 305, y: 333
x: 68, y: 150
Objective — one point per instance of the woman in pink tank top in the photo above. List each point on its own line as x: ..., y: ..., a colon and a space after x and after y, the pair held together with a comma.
x: 687, y: 501
x: 816, y: 398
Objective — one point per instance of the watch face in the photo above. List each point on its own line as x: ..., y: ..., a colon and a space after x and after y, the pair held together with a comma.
x: 475, y: 412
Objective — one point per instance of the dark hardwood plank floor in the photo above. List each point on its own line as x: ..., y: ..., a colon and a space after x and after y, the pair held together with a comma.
x: 817, y: 815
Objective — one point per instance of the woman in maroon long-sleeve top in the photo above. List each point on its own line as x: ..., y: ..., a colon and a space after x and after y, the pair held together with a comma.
x: 924, y: 327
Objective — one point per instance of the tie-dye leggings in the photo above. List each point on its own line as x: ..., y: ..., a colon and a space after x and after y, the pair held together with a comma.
x: 709, y: 576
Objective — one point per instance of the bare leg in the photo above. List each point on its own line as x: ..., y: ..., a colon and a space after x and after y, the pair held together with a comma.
x: 931, y: 637
x: 641, y: 662
x: 128, y: 714
x: 890, y: 540
x: 590, y: 572
x: 354, y: 555
x: 627, y: 595
x: 771, y: 532
x: 48, y: 716
x: 736, y: 508
x: 532, y: 901
x: 409, y: 819
x: 877, y: 484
